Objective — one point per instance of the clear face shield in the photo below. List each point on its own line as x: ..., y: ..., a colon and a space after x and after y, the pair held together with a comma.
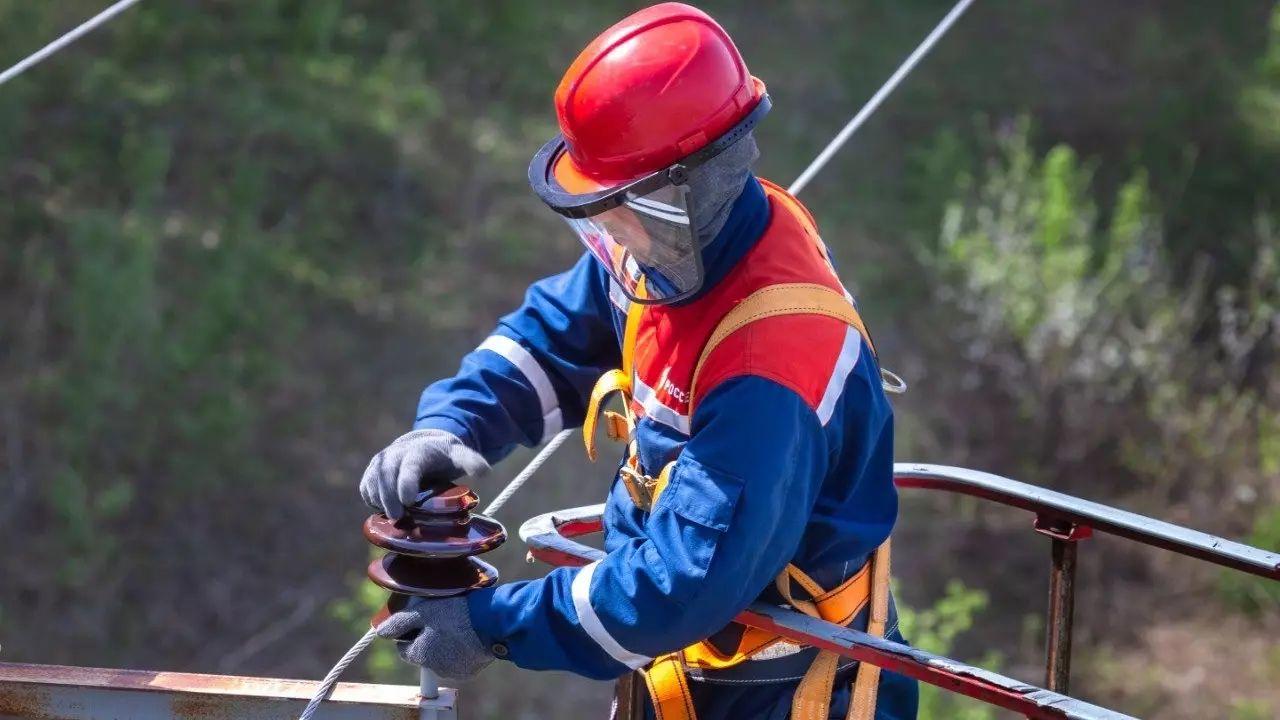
x: 651, y: 236
x: 642, y: 229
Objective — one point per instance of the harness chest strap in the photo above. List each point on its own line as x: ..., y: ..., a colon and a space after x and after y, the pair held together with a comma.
x: 622, y: 427
x: 771, y: 301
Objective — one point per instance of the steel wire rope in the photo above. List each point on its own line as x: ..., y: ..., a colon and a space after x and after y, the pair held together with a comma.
x: 79, y: 31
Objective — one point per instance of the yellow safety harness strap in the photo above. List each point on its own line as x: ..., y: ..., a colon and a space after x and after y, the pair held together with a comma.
x: 634, y: 311
x: 838, y: 606
x: 668, y: 682
x: 812, y: 700
x: 669, y: 688
x: 621, y: 427
x: 863, y: 703
x: 775, y: 300
x: 611, y: 382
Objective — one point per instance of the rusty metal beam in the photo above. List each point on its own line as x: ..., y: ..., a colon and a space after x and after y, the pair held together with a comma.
x: 55, y: 692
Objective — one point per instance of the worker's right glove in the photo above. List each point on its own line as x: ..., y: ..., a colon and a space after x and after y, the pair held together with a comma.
x: 395, y: 476
x: 444, y: 643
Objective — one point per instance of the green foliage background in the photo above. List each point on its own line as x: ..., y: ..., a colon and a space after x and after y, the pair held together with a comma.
x: 238, y: 239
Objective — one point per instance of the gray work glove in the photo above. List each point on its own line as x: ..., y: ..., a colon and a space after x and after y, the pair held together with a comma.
x: 446, y: 643
x: 396, y: 475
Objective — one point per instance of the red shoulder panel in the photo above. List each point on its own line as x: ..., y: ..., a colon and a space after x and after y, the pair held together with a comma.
x: 799, y: 352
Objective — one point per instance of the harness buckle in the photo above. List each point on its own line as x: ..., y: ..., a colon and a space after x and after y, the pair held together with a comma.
x: 639, y: 487
x: 617, y: 427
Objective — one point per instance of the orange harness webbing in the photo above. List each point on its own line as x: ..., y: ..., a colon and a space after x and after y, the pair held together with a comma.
x: 669, y: 685
x: 665, y: 677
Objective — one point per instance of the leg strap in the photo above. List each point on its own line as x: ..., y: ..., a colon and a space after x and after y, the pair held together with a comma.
x: 669, y: 688
x: 862, y: 705
x: 668, y: 681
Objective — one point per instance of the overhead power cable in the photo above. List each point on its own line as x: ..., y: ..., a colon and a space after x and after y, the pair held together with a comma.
x: 43, y: 53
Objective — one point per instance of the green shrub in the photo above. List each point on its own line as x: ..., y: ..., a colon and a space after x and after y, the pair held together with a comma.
x: 935, y: 630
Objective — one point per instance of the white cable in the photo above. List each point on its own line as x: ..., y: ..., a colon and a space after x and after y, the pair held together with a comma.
x: 326, y: 686
x: 65, y: 40
x: 526, y: 473
x: 330, y: 680
x: 907, y: 66
x: 813, y: 169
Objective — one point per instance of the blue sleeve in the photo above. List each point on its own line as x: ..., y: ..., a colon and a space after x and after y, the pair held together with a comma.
x: 533, y: 375
x: 729, y: 521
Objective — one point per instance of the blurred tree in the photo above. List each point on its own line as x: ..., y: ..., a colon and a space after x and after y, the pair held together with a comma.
x: 240, y: 237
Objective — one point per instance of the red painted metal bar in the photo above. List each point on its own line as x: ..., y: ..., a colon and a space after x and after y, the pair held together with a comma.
x: 1066, y: 520
x: 549, y: 538
x: 986, y: 686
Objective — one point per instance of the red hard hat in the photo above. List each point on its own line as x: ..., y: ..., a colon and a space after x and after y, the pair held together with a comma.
x: 659, y: 85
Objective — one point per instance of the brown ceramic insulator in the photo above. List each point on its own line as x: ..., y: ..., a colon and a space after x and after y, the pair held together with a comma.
x: 444, y: 499
x: 431, y: 578
x: 435, y: 538
x: 431, y: 548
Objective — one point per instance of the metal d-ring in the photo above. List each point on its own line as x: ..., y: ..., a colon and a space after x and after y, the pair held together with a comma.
x: 892, y: 383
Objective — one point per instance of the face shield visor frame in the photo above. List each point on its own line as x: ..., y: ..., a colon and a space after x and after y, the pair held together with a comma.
x: 644, y: 227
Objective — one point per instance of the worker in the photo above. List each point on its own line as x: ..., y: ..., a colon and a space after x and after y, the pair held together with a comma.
x: 756, y: 435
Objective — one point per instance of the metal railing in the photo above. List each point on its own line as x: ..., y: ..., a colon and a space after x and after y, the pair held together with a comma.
x: 1067, y: 520
x: 52, y: 692
x: 1064, y: 519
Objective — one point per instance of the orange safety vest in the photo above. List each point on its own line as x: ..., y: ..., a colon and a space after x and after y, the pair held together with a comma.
x: 665, y: 677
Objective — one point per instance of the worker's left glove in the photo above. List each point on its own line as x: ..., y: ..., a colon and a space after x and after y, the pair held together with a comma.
x: 446, y: 643
x: 396, y: 475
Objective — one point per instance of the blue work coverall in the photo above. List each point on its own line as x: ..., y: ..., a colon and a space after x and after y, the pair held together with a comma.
x: 762, y: 481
